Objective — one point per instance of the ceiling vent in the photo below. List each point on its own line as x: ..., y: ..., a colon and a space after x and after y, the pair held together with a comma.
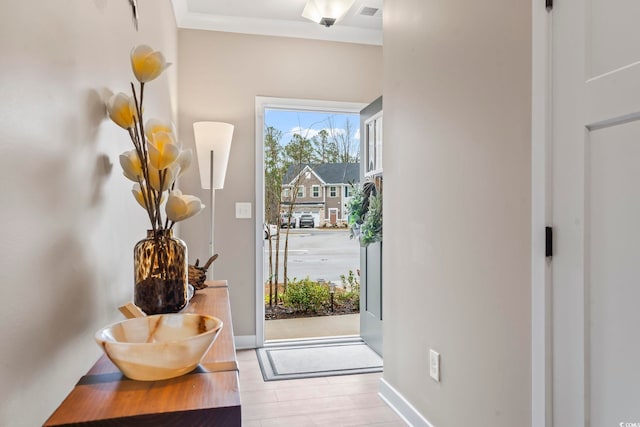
x: 368, y: 11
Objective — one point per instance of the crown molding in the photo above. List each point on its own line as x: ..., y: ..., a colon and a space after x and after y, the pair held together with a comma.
x: 272, y: 27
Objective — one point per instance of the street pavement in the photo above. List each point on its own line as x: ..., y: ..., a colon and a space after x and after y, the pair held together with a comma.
x: 317, y: 253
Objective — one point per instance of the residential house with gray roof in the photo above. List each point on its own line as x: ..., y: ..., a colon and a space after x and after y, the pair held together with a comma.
x: 322, y: 190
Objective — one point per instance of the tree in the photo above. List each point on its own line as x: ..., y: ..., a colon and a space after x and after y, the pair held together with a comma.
x: 278, y: 161
x: 325, y: 149
x: 347, y: 148
x: 295, y: 171
x: 273, y: 174
x: 299, y: 150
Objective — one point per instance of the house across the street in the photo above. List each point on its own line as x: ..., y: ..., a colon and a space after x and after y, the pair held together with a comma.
x: 322, y: 190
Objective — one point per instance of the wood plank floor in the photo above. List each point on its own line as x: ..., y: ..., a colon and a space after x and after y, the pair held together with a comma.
x: 347, y: 400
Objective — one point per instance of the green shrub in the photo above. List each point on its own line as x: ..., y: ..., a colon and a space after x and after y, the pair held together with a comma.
x: 352, y: 295
x: 306, y: 295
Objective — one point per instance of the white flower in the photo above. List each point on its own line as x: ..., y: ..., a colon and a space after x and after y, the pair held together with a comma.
x: 122, y: 110
x: 163, y: 150
x: 170, y: 176
x: 137, y: 194
x: 180, y: 207
x: 184, y: 160
x: 156, y: 125
x: 131, y: 165
x: 146, y: 63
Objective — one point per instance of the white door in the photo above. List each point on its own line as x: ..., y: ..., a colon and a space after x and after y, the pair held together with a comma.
x: 595, y: 176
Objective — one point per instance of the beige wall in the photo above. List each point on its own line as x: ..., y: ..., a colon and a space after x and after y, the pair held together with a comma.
x: 69, y: 222
x: 456, y: 89
x: 457, y: 275
x: 220, y: 75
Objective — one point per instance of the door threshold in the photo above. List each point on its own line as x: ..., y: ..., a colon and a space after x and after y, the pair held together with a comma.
x: 315, y: 341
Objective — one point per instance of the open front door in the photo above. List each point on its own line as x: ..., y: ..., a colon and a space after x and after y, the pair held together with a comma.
x: 596, y: 205
x: 371, y: 256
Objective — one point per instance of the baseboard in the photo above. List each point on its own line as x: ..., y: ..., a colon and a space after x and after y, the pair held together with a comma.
x: 401, y: 406
x: 244, y: 342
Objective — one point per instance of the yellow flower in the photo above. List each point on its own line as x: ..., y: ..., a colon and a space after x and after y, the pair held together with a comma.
x: 147, y: 64
x: 155, y: 125
x: 122, y: 110
x: 131, y: 165
x: 180, y: 207
x: 137, y: 194
x: 163, y: 150
x: 154, y: 177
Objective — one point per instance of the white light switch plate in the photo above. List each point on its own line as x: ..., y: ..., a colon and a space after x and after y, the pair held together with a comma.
x: 434, y: 365
x: 243, y: 210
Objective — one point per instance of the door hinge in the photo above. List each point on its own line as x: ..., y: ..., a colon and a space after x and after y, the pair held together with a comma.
x: 548, y: 242
x: 549, y: 5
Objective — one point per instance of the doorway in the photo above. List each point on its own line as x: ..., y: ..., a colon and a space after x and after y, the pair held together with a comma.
x: 306, y: 202
x: 333, y: 216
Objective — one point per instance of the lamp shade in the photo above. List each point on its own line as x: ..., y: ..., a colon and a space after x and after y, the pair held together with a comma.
x: 326, y: 12
x: 216, y: 137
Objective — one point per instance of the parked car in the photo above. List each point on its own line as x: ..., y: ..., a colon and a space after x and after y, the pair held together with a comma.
x: 287, y: 221
x: 270, y: 230
x: 306, y: 220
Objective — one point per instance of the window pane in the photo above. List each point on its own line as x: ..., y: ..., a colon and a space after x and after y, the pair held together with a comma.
x: 348, y: 191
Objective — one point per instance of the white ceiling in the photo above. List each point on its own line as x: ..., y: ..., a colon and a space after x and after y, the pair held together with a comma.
x: 278, y: 18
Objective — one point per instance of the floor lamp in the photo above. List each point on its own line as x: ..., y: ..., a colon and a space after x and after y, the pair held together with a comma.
x: 213, y: 144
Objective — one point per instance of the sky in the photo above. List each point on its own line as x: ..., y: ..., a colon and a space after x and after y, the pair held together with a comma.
x: 308, y: 123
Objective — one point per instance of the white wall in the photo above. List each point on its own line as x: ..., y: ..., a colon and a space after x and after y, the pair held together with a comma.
x: 220, y: 75
x: 457, y: 274
x: 69, y: 222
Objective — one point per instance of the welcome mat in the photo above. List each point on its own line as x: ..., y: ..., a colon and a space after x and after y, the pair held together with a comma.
x: 319, y: 360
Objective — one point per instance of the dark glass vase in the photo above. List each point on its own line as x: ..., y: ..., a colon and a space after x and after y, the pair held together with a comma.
x: 161, y: 273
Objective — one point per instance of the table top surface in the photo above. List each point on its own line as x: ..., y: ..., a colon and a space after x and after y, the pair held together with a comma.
x: 104, y: 393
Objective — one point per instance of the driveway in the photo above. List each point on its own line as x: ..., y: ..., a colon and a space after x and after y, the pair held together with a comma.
x: 319, y: 254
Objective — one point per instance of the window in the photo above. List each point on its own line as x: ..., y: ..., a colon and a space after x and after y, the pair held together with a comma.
x: 300, y: 191
x: 315, y: 191
x: 333, y: 191
x: 348, y: 191
x: 286, y: 193
x: 373, y: 145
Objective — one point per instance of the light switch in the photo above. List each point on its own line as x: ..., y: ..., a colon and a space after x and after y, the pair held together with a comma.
x: 434, y: 365
x: 243, y: 210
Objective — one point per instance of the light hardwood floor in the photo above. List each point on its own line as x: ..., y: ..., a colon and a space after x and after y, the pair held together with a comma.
x: 347, y: 400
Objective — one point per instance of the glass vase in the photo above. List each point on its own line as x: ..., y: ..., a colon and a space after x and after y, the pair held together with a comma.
x: 161, y: 273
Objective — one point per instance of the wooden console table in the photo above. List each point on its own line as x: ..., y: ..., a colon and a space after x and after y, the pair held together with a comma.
x: 209, y: 395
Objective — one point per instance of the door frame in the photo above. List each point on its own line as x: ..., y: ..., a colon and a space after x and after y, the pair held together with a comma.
x: 541, y: 209
x: 262, y: 103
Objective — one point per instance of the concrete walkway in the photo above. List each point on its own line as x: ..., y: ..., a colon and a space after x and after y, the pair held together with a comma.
x: 312, y: 327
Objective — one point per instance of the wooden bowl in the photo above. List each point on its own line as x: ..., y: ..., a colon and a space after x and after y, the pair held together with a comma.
x: 161, y: 346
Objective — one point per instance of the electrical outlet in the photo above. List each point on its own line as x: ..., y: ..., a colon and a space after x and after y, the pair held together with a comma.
x: 434, y: 365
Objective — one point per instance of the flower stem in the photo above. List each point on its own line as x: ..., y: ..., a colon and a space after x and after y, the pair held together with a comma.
x: 151, y: 197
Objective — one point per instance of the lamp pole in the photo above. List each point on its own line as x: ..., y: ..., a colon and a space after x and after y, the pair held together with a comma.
x: 211, y: 217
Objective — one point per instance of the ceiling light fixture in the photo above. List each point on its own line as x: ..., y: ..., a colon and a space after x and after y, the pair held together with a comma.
x: 326, y: 12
